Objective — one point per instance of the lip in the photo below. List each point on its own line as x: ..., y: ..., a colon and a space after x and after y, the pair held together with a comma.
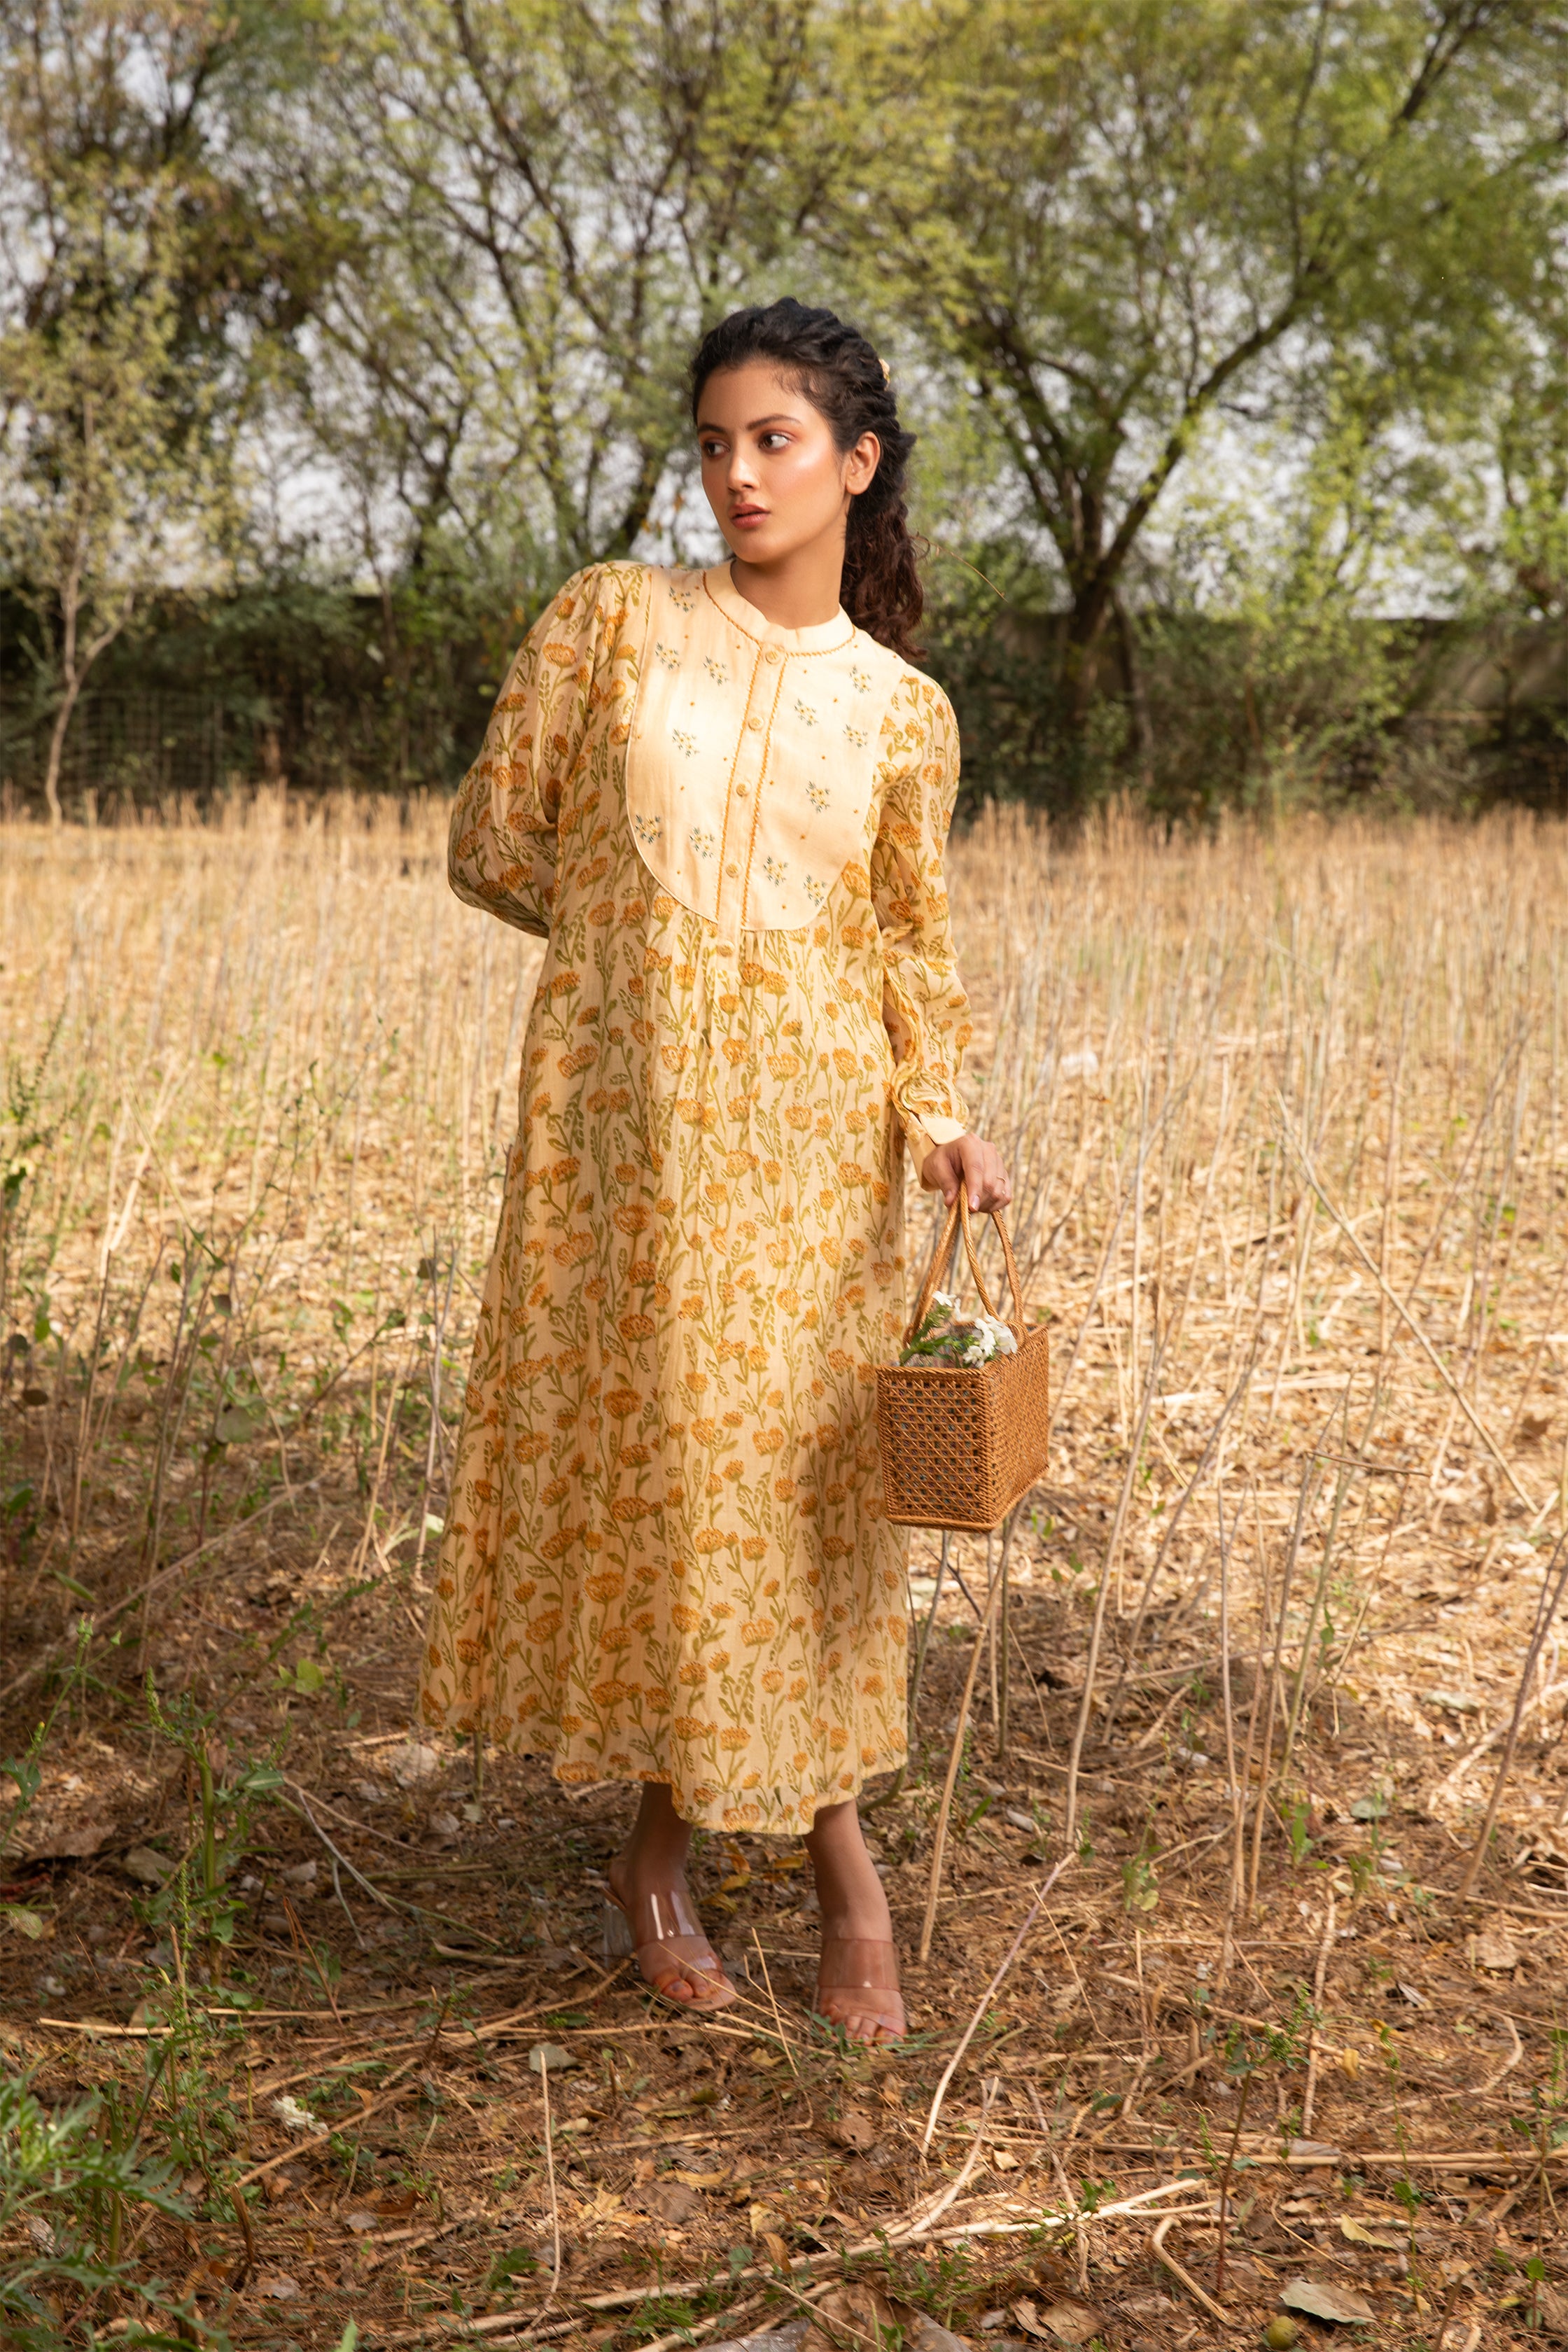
x: 743, y: 516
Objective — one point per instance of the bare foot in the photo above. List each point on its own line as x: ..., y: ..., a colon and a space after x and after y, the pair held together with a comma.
x: 857, y: 1980
x: 648, y: 1884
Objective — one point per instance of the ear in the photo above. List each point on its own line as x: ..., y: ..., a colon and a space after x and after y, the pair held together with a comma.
x: 860, y: 465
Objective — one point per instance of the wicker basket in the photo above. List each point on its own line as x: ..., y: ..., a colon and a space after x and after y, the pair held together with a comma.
x: 960, y: 1444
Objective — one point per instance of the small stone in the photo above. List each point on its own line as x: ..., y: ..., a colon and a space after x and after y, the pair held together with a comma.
x: 549, y: 2057
x: 443, y: 1828
x: 412, y: 1763
x: 147, y: 1868
x: 277, y: 2287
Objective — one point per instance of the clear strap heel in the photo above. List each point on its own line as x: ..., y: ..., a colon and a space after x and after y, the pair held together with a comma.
x: 663, y: 1934
x: 857, y: 1987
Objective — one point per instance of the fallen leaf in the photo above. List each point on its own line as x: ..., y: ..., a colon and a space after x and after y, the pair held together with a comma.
x: 861, y: 2313
x: 360, y: 2221
x: 234, y: 1425
x: 31, y: 1923
x: 443, y: 1828
x: 1493, y: 1948
x: 277, y: 2287
x: 1027, y: 2318
x: 1004, y: 2159
x: 1360, y: 2235
x: 1332, y: 2303
x: 1072, y: 2322
x: 852, y: 2127
x: 703, y: 2180
x: 778, y: 2252
x: 1408, y: 1994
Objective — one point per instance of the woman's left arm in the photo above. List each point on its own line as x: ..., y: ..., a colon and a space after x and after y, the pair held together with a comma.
x: 924, y: 1008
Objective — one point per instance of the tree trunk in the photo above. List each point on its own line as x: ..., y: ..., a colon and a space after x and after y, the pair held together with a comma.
x: 56, y: 749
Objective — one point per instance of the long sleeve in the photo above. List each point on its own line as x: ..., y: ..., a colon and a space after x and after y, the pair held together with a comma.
x: 501, y: 848
x: 924, y: 1008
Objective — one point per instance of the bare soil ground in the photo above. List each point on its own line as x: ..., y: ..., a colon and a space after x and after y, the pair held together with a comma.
x: 1291, y: 1166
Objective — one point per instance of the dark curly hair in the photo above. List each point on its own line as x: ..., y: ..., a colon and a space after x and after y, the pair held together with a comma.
x: 841, y: 375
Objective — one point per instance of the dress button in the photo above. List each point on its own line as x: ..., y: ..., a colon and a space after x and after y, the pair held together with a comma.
x: 739, y: 792
x: 731, y: 871
x: 755, y: 724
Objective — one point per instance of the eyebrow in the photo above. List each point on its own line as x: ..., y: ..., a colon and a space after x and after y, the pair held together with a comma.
x: 756, y: 425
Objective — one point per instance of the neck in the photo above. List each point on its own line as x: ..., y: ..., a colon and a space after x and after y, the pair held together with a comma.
x: 800, y: 590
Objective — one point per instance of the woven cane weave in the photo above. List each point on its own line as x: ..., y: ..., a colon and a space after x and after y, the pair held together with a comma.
x: 961, y: 1444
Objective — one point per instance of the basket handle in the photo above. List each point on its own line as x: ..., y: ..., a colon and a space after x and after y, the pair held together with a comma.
x: 957, y: 1217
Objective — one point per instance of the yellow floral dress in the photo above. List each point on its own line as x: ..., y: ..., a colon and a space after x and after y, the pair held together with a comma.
x: 666, y: 1558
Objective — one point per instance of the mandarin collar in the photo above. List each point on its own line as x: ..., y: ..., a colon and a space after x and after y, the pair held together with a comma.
x: 827, y: 637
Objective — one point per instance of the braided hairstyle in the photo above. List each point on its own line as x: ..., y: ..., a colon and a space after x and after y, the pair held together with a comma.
x: 842, y: 377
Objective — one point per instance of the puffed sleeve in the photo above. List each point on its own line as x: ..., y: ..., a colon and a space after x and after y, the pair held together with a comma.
x: 502, y: 847
x: 924, y: 1008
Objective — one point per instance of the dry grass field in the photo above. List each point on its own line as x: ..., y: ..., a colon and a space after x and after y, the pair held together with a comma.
x: 1277, y: 1679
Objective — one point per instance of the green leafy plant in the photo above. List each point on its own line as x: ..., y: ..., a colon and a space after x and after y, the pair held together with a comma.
x: 73, y: 2179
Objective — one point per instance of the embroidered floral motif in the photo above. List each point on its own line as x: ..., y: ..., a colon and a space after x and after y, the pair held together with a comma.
x: 648, y: 829
x: 814, y: 890
x: 666, y: 655
x: 818, y: 795
x: 687, y: 743
x: 683, y: 599
x: 856, y: 735
x: 702, y: 840
x: 804, y: 713
x: 859, y: 679
x: 716, y: 670
x: 776, y: 869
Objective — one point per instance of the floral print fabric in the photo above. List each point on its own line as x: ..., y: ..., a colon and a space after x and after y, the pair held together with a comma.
x: 666, y: 1558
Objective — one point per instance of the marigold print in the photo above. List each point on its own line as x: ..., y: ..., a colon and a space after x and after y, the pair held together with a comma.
x: 665, y: 1557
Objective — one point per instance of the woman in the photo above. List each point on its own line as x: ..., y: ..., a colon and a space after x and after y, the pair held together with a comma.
x: 723, y: 798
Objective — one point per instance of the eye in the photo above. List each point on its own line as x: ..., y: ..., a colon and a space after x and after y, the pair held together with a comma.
x: 711, y: 448
x: 773, y: 441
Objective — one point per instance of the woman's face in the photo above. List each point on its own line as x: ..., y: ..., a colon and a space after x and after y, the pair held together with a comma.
x: 772, y: 471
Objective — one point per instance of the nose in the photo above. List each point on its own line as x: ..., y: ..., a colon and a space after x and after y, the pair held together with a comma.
x: 740, y: 473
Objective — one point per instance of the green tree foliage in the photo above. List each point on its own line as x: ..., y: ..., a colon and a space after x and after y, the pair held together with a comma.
x: 133, y: 271
x: 1225, y: 325
x: 1125, y: 222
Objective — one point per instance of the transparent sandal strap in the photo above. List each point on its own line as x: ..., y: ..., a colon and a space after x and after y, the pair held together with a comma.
x: 859, y: 1964
x: 664, y: 1914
